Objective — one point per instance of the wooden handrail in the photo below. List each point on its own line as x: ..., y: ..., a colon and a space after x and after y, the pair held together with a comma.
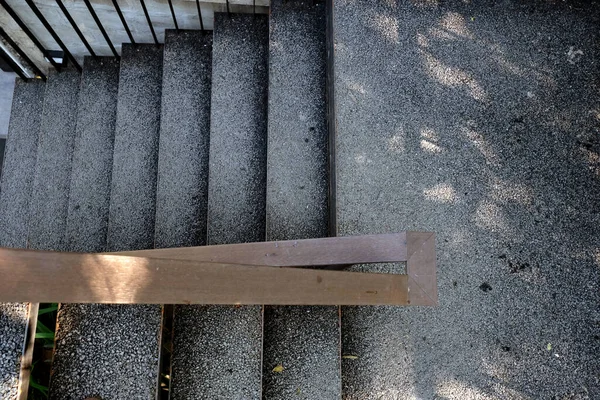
x: 228, y: 274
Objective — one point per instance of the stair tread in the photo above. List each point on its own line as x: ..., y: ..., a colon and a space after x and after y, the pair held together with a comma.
x: 15, y: 193
x: 20, y: 158
x: 87, y: 221
x: 217, y: 352
x: 217, y: 349
x: 50, y: 196
x: 124, y: 338
x: 304, y: 340
x: 51, y: 185
x: 182, y: 189
x: 237, y: 171
x: 133, y: 186
x: 132, y: 213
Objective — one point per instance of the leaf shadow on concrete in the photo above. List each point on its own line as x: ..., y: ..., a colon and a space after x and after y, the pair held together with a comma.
x: 481, y: 123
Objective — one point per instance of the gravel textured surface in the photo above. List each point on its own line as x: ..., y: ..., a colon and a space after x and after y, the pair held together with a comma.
x: 297, y: 179
x: 19, y: 163
x: 111, y: 351
x: 50, y: 194
x: 15, y: 192
x: 2, y: 147
x: 238, y: 133
x: 217, y: 349
x: 135, y: 159
x: 184, y: 140
x: 217, y: 352
x: 89, y: 199
x: 304, y: 340
x: 13, y: 328
x: 89, y: 350
x: 480, y: 122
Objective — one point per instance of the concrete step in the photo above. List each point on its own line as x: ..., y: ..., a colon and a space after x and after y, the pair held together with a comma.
x: 135, y: 352
x: 87, y: 222
x: 50, y: 196
x: 183, y: 171
x: 182, y: 191
x: 15, y: 193
x: 219, y: 347
x: 304, y: 340
x: 236, y: 200
x: 135, y: 159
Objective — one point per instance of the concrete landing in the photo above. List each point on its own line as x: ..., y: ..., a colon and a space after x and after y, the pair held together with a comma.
x: 479, y: 122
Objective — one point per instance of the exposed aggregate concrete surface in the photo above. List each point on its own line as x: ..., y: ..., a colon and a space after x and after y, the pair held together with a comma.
x: 304, y: 341
x: 480, y: 122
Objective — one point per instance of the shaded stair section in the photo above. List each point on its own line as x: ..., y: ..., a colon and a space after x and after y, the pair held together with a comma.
x: 50, y: 196
x: 51, y: 187
x: 132, y: 213
x: 305, y: 341
x: 133, y: 194
x: 223, y: 344
x: 87, y: 221
x: 112, y: 351
x: 81, y: 366
x: 182, y: 192
x: 15, y: 193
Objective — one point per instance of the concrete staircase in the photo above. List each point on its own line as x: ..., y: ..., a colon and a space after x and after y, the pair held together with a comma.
x: 213, y: 138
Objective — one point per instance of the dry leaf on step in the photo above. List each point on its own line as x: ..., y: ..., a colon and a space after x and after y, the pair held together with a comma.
x: 279, y: 368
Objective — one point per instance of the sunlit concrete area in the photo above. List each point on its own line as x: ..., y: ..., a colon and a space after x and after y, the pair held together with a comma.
x: 479, y: 121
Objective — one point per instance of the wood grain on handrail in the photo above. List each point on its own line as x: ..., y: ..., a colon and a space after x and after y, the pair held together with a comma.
x: 39, y: 276
x: 343, y: 250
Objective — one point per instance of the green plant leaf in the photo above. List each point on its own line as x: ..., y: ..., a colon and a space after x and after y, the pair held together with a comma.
x: 47, y: 310
x: 43, y: 328
x: 43, y: 389
x: 44, y: 335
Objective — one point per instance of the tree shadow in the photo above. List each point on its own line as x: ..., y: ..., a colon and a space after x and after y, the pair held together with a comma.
x: 479, y: 122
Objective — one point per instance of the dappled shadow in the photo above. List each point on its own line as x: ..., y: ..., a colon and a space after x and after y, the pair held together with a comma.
x: 479, y: 122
